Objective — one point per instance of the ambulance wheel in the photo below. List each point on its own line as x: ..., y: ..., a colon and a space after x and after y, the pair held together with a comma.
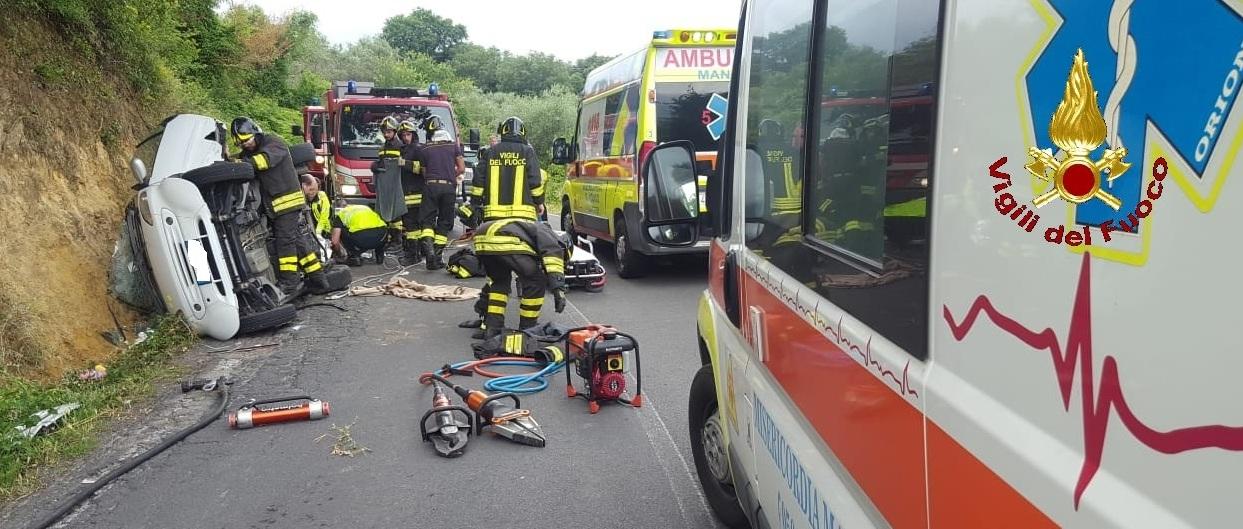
x: 267, y: 319
x: 567, y: 221
x: 710, y: 453
x: 630, y: 263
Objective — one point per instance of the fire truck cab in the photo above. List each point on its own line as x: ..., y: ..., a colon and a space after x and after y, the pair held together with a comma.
x: 972, y: 265
x: 351, y: 124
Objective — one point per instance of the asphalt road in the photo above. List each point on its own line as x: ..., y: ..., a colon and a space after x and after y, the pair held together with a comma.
x: 623, y: 467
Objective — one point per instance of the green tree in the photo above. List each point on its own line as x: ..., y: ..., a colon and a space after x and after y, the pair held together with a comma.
x: 479, y: 64
x: 585, y: 65
x: 423, y: 31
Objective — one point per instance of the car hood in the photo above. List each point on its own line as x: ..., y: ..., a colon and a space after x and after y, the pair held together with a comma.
x: 189, y: 141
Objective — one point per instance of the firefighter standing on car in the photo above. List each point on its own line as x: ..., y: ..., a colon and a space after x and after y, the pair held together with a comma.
x: 441, y: 161
x: 508, y: 188
x: 283, y: 198
x: 412, y: 186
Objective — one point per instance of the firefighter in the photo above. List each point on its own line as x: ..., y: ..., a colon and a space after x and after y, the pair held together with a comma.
x: 441, y: 161
x: 321, y: 207
x: 356, y: 229
x: 525, y: 250
x: 389, y: 195
x: 507, y: 181
x: 412, y: 186
x: 284, y: 200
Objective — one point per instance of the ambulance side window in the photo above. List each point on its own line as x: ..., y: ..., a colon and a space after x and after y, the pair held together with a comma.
x: 868, y: 183
x: 775, y: 117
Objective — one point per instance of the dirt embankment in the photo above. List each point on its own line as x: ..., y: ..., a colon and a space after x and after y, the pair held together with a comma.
x: 67, y: 126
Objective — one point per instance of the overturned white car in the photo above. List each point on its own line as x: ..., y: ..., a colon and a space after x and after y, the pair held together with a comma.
x: 197, y: 231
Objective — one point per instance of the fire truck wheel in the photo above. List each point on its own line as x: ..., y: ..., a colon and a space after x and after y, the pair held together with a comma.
x: 267, y: 319
x: 710, y: 453
x: 220, y: 172
x: 302, y: 153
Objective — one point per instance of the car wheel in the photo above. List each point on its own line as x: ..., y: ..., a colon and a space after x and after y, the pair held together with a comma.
x: 220, y: 172
x: 302, y: 153
x: 710, y: 452
x: 267, y: 319
x: 630, y: 263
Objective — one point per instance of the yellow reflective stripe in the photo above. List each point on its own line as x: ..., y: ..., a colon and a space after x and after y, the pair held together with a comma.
x: 513, y: 344
x: 413, y: 235
x: 390, y: 152
x: 532, y: 302
x: 291, y: 200
x: 416, y: 167
x: 313, y: 267
x: 414, y: 200
x: 289, y: 268
x: 494, y: 186
x: 284, y: 260
x: 476, y: 191
x: 498, y: 211
x: 520, y: 181
x: 554, y: 265
x: 910, y: 208
x: 427, y: 232
x: 497, y: 296
x: 503, y: 248
x: 528, y: 313
x: 261, y: 161
x: 493, y: 309
x: 557, y: 355
x: 441, y: 239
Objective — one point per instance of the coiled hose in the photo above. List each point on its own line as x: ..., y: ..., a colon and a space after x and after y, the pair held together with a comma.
x: 132, y: 463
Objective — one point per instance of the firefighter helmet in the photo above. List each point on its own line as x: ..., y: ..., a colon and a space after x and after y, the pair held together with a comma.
x: 243, y: 129
x: 388, y: 123
x: 406, y: 126
x: 512, y: 126
x: 433, y: 124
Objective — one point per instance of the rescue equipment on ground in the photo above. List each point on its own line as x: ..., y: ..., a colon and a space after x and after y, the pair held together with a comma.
x: 583, y: 269
x: 511, y: 422
x: 448, y: 434
x: 603, y: 356
x: 251, y: 414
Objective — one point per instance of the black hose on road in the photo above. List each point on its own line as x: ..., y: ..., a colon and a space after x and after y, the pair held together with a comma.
x: 131, y: 464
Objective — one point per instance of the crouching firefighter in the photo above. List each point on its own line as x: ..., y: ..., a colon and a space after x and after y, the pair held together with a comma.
x: 283, y: 199
x: 519, y: 249
x: 441, y: 160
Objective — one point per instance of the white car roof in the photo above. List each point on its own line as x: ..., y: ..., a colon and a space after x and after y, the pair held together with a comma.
x: 188, y: 143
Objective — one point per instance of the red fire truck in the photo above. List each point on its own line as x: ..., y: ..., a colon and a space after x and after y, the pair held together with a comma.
x: 346, y: 130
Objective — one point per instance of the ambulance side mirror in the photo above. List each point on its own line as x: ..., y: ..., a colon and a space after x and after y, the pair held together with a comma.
x: 671, y: 194
x: 472, y: 138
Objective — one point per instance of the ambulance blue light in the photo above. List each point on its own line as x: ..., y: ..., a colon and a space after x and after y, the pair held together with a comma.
x: 350, y: 86
x: 433, y: 89
x: 661, y: 34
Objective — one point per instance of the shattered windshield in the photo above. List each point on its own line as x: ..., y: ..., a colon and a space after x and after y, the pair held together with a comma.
x: 360, y: 124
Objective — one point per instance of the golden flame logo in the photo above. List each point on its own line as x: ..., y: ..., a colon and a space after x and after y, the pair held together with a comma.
x: 1077, y: 128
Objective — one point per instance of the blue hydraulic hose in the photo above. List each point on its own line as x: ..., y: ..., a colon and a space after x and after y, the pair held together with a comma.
x: 524, y: 383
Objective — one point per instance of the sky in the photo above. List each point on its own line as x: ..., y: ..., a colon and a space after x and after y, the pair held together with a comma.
x: 569, y: 29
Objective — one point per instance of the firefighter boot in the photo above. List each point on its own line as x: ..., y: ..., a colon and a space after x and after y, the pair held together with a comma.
x: 410, y: 252
x: 433, y: 258
x: 317, y: 282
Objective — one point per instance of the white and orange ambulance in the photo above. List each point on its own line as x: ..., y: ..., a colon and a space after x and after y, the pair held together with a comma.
x: 973, y: 265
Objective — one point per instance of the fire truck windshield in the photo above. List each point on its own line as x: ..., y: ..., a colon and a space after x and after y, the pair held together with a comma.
x: 360, y: 122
